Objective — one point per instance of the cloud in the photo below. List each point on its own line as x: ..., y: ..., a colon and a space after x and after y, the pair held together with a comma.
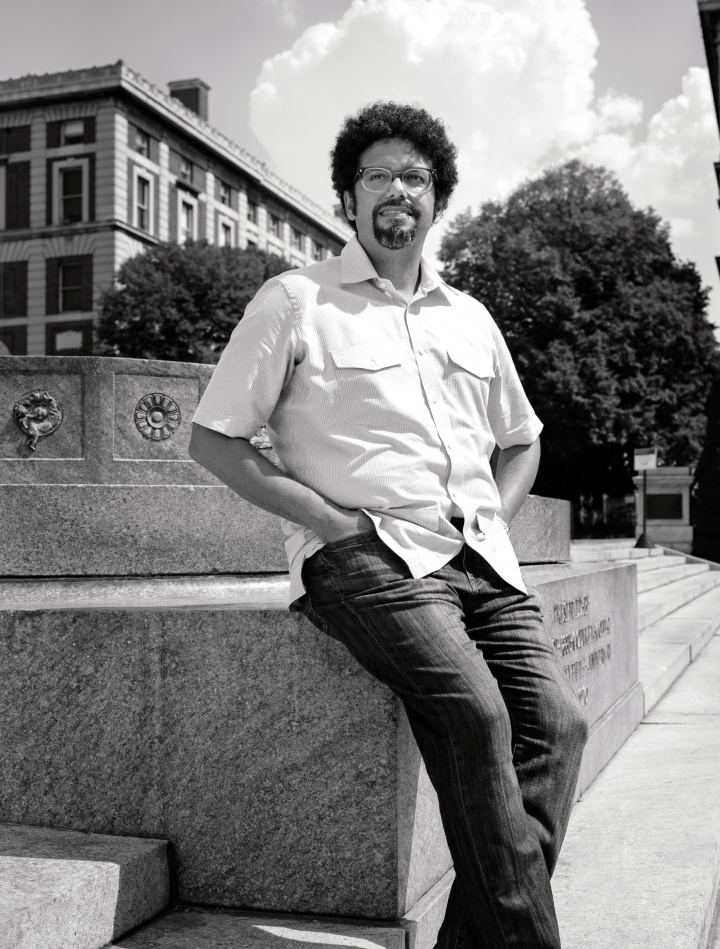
x: 287, y: 12
x: 513, y: 80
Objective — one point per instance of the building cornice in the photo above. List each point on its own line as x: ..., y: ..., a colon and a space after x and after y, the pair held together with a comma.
x: 98, y: 80
x: 709, y: 11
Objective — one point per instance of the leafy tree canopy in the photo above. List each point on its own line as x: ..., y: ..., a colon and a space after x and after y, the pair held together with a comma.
x: 181, y: 302
x: 608, y: 329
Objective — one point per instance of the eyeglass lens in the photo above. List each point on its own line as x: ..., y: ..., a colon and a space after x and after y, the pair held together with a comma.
x: 414, y: 179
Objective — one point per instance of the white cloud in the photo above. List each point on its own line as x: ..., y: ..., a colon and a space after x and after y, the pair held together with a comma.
x: 513, y: 80
x: 287, y: 11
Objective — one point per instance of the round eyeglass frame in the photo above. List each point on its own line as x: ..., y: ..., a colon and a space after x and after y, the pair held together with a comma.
x: 395, y: 174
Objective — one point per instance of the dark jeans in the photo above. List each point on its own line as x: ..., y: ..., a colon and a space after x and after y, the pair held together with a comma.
x: 499, y: 728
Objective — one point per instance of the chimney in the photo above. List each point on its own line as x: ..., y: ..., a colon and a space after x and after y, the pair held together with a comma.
x: 193, y: 93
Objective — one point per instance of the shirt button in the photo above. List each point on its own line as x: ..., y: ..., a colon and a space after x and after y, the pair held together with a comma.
x: 434, y: 399
x: 421, y: 352
x: 373, y: 362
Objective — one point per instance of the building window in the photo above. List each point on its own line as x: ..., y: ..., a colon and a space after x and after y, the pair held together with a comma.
x: 142, y: 143
x: 69, y: 284
x: 16, y: 192
x: 225, y: 193
x: 70, y: 287
x: 143, y: 206
x: 252, y: 212
x: 187, y: 217
x: 317, y: 251
x: 13, y: 289
x: 225, y: 234
x: 71, y: 195
x: 70, y: 185
x: 274, y: 225
x: 68, y: 339
x: 186, y: 170
x: 295, y: 238
x: 72, y: 132
x: 251, y: 244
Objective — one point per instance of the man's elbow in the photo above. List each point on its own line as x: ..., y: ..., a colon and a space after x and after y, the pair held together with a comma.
x: 199, y: 442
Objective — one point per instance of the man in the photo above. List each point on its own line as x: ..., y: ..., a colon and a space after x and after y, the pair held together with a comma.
x: 385, y: 393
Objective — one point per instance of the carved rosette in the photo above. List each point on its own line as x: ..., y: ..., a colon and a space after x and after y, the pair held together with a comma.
x: 157, y: 416
x: 37, y: 414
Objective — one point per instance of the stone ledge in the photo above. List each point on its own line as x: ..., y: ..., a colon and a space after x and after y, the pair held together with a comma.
x: 76, y: 890
x: 136, y: 530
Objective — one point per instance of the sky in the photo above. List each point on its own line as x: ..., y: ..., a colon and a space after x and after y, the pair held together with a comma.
x: 521, y: 84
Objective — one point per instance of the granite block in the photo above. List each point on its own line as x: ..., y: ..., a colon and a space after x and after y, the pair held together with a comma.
x: 609, y: 733
x: 285, y: 776
x: 590, y: 614
x: 136, y: 530
x: 97, y: 441
x: 252, y: 742
x: 540, y: 531
x: 72, y: 889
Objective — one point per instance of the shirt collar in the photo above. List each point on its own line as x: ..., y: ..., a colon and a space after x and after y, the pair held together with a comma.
x: 356, y: 266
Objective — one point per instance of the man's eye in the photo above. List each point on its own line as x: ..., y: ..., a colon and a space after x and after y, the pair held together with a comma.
x: 413, y: 177
x: 376, y: 175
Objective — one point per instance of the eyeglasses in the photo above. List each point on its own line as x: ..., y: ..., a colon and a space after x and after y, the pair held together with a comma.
x: 415, y: 180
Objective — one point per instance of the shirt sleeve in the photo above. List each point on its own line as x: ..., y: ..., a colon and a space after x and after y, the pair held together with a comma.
x: 255, y: 367
x: 510, y: 414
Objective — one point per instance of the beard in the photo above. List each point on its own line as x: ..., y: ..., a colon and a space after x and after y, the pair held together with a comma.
x: 394, y: 234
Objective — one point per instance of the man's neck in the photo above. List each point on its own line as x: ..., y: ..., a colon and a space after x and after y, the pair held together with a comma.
x: 402, y: 267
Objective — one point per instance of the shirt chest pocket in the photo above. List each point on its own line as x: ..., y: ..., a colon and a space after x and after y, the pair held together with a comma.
x: 375, y: 386
x: 469, y: 374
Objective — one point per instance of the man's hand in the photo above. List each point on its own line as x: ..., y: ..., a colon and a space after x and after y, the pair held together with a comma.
x: 344, y: 523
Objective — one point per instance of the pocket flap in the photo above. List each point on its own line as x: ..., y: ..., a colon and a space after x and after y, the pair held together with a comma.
x: 478, y: 362
x: 366, y: 357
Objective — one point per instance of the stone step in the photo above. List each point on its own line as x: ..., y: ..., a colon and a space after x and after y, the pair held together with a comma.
x: 657, y: 563
x: 670, y: 645
x: 194, y: 928
x: 656, y: 604
x: 651, y: 579
x: 595, y: 554
x: 74, y: 890
x: 640, y: 863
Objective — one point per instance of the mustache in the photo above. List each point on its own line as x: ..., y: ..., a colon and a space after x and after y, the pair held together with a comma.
x: 396, y: 203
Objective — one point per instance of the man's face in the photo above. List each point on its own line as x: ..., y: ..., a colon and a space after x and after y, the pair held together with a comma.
x: 392, y: 218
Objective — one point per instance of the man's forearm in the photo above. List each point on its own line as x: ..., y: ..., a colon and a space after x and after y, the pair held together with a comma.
x: 515, y: 474
x: 240, y: 466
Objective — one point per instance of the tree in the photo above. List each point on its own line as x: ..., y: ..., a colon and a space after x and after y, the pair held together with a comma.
x: 608, y: 329
x: 706, y: 507
x: 181, y: 302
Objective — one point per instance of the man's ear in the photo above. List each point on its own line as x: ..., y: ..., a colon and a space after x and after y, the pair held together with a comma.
x: 439, y: 210
x: 349, y: 202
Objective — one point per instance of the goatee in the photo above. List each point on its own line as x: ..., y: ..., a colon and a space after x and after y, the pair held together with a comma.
x: 396, y: 234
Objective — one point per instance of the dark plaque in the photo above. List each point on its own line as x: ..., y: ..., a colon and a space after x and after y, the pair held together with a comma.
x: 664, y: 507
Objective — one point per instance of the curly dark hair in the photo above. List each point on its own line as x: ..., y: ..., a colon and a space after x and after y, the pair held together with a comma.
x: 381, y: 120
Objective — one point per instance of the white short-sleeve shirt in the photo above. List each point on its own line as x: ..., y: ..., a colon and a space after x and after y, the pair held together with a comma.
x: 378, y: 404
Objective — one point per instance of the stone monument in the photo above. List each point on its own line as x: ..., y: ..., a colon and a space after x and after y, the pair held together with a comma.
x: 668, y: 511
x: 156, y: 685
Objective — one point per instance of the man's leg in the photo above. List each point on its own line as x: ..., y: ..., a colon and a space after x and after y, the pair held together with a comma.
x: 548, y: 723
x: 411, y: 635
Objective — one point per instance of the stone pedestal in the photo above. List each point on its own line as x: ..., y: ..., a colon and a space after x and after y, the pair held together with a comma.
x: 156, y: 685
x: 668, y: 516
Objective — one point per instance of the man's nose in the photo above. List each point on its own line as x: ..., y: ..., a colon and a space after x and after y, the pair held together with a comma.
x: 396, y: 186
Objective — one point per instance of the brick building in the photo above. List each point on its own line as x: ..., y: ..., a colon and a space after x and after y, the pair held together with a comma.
x: 96, y: 165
